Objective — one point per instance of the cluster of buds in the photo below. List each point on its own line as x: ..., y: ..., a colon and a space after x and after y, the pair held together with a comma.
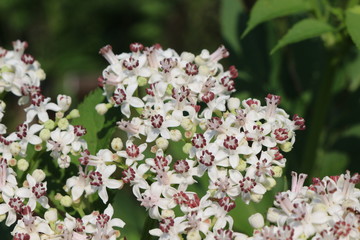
x: 327, y: 209
x: 173, y: 101
x: 24, y: 191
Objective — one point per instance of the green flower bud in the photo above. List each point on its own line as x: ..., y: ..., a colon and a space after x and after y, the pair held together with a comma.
x: 63, y: 123
x: 49, y: 124
x: 45, y: 134
x: 142, y: 81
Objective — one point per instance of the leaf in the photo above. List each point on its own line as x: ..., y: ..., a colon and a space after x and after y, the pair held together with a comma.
x: 352, y: 24
x: 229, y: 16
x: 265, y: 10
x: 331, y: 163
x: 305, y: 29
x: 90, y: 119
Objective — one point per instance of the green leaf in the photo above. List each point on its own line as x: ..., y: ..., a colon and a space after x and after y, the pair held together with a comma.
x: 352, y: 24
x: 305, y: 29
x: 331, y: 163
x: 90, y: 119
x: 265, y: 10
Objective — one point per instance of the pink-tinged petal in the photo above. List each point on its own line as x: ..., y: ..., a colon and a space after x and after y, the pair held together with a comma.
x: 165, y: 133
x: 35, y: 128
x: 30, y: 180
x: 259, y: 189
x: 34, y: 140
x: 156, y: 232
x: 152, y: 135
x: 136, y: 102
x: 269, y: 142
x: 122, y: 154
x: 30, y: 115
x: 171, y: 123
x: 235, y: 175
x: 103, y: 194
x: 107, y: 170
x: 24, y: 193
x: 8, y: 190
x: 113, y: 184
x: 234, y: 160
x: 43, y: 116
x: 44, y: 201
x: 32, y: 203
x: 125, y: 109
x: 44, y: 228
x: 53, y: 107
x: 117, y: 222
x: 4, y: 208
x: 77, y: 191
x: 109, y: 210
x: 11, y: 218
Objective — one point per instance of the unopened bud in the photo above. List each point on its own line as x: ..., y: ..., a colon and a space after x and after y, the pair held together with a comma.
x: 117, y: 144
x: 242, y: 165
x: 63, y: 123
x: 154, y: 149
x: 51, y: 215
x: 15, y: 148
x: 256, y: 197
x: 40, y: 74
x: 59, y: 115
x: 45, y: 134
x: 73, y: 114
x: 167, y: 213
x: 187, y: 124
x: 256, y: 220
x: 141, y: 81
x: 102, y: 108
x: 286, y: 147
x: 39, y: 175
x: 186, y: 148
x: 175, y: 135
x: 12, y: 162
x: 188, y: 57
x: 22, y: 164
x: 38, y: 147
x: 63, y: 102
x: 272, y: 215
x: 162, y: 143
x: 188, y: 134
x: 66, y: 201
x: 49, y: 124
x: 269, y: 183
x: 233, y: 103
x: 193, y: 235
x: 278, y: 171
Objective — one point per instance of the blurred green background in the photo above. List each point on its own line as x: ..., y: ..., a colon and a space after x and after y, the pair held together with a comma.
x: 66, y: 35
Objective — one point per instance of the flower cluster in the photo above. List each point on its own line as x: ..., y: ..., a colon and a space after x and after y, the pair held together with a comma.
x: 326, y: 210
x: 173, y: 101
x: 24, y: 195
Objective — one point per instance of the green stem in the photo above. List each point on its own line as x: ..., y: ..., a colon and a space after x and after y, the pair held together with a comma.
x: 320, y: 107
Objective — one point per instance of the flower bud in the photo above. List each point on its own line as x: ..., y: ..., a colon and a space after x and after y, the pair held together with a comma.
x: 22, y: 165
x: 186, y: 148
x: 58, y: 196
x: 278, y: 171
x: 49, y: 124
x: 66, y: 201
x: 141, y: 81
x: 40, y: 74
x: 272, y: 215
x: 167, y: 213
x: 73, y: 114
x: 204, y: 70
x: 154, y: 149
x: 63, y: 123
x: 15, y: 148
x: 2, y: 105
x: 256, y: 197
x: 59, y: 115
x: 233, y: 103
x: 39, y: 175
x: 63, y: 102
x: 162, y: 143
x: 188, y: 134
x: 202, y: 125
x: 242, y: 165
x: 256, y: 220
x: 188, y: 57
x: 64, y: 161
x: 12, y: 162
x: 45, y: 134
x: 269, y: 183
x: 117, y: 144
x: 175, y: 135
x: 51, y: 215
x: 187, y: 124
x: 101, y: 108
x: 38, y: 147
x: 193, y: 235
x: 286, y: 147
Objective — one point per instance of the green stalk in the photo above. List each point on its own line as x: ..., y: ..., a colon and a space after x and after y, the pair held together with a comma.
x: 320, y: 107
